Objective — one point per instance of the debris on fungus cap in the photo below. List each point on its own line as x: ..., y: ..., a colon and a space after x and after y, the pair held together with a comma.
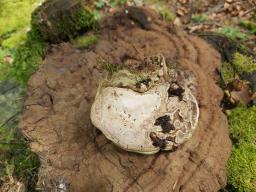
x: 148, y: 111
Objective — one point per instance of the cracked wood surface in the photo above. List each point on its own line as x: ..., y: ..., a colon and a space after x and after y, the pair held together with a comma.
x: 56, y: 114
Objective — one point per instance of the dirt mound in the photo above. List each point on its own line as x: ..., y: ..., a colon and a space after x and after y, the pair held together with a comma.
x: 75, y: 155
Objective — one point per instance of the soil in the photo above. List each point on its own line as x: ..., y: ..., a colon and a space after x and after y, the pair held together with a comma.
x: 76, y: 156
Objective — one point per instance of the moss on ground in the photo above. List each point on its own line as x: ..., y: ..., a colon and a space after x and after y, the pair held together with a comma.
x: 242, y: 163
x: 199, y: 18
x: 242, y: 168
x: 111, y: 68
x: 166, y: 13
x: 85, y: 41
x: 15, y: 21
x: 4, y: 65
x: 243, y: 63
x: 240, y: 64
x: 249, y: 25
x: 15, y: 18
x: 228, y: 72
x: 15, y: 153
x: 242, y: 121
x: 233, y: 33
x: 27, y: 57
x: 24, y: 48
x: 17, y: 161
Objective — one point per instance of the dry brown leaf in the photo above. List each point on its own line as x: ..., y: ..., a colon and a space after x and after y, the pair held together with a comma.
x: 177, y: 21
x: 212, y: 16
x: 180, y: 12
x: 240, y: 91
x: 184, y: 1
x: 239, y: 7
x: 241, y: 13
x: 195, y: 28
x: 229, y: 1
x: 226, y: 5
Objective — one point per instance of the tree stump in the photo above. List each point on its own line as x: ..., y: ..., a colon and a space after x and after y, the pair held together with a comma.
x: 76, y: 157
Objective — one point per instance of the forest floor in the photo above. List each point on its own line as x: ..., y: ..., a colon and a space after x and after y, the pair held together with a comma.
x: 235, y: 19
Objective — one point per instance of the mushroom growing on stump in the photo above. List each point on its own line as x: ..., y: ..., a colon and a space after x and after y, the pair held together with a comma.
x: 70, y: 150
x: 155, y: 109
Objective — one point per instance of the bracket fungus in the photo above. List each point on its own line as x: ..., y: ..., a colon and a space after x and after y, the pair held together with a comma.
x: 147, y: 111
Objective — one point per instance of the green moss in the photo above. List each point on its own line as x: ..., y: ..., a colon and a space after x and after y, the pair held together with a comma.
x: 24, y: 160
x: 242, y: 124
x: 16, y: 159
x: 243, y: 49
x: 85, y: 18
x: 249, y: 25
x: 199, y: 18
x: 67, y: 20
x: 25, y: 48
x: 239, y: 63
x: 15, y: 18
x: 166, y: 13
x: 85, y: 41
x: 16, y: 153
x: 99, y: 4
x: 140, y: 77
x: 114, y: 3
x: 232, y: 33
x: 82, y: 19
x: 15, y: 40
x: 242, y: 167
x: 242, y: 121
x: 27, y: 57
x: 243, y: 63
x: 123, y: 78
x: 227, y: 72
x: 109, y: 67
x: 4, y: 67
x: 6, y: 136
x: 242, y: 163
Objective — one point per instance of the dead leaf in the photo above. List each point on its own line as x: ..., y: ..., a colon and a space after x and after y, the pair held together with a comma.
x: 240, y: 91
x: 177, y: 21
x: 226, y: 5
x: 180, y: 12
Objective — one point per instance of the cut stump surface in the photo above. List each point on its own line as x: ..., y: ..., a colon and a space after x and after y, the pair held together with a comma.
x: 75, y: 155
